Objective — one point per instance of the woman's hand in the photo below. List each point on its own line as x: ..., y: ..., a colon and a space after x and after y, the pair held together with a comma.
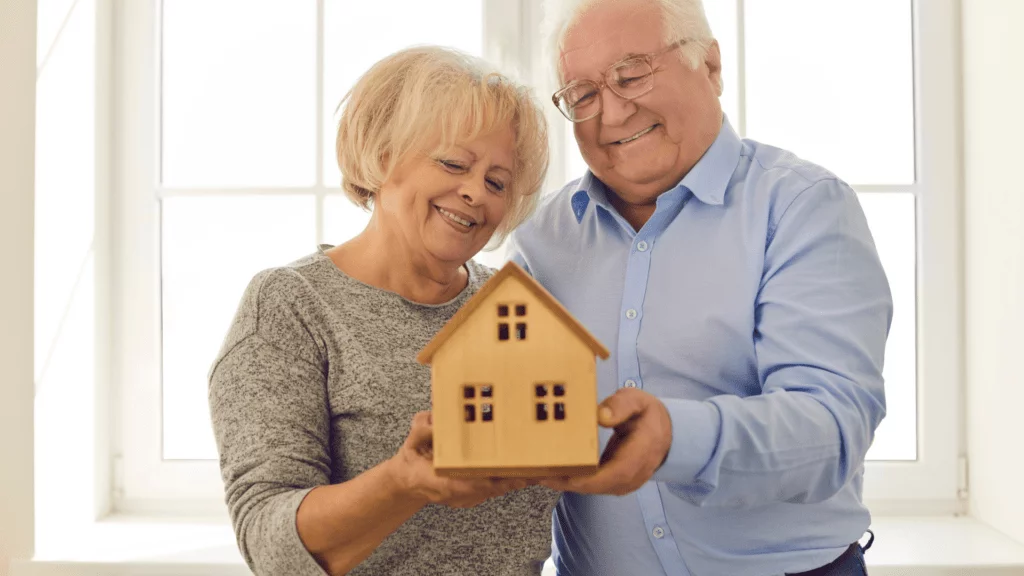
x: 413, y: 470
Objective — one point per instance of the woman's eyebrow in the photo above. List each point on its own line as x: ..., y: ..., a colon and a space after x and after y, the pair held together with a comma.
x: 501, y: 167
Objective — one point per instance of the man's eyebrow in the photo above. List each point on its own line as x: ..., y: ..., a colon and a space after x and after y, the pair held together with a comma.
x: 630, y: 56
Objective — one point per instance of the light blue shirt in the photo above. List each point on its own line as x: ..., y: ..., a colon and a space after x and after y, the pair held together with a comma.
x: 754, y: 305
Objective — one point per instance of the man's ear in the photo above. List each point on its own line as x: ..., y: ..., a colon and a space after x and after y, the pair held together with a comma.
x: 713, y: 60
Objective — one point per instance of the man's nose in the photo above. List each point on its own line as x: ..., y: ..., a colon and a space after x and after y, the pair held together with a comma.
x: 615, y: 109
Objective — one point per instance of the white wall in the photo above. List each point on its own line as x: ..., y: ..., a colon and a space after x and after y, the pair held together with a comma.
x: 17, y: 134
x: 994, y: 222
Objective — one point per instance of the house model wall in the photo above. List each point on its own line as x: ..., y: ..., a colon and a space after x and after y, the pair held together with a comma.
x: 514, y: 385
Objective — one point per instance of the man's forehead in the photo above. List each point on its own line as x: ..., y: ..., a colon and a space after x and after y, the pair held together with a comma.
x: 609, y: 32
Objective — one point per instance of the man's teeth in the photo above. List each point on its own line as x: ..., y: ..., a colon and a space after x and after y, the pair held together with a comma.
x: 635, y: 136
x: 451, y: 216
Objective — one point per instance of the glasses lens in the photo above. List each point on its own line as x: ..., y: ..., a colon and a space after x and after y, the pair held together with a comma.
x: 580, y: 101
x: 631, y: 78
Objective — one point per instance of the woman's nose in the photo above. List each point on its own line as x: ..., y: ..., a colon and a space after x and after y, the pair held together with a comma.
x: 471, y: 191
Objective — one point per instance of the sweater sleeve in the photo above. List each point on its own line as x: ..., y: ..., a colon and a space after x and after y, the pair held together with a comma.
x: 268, y: 404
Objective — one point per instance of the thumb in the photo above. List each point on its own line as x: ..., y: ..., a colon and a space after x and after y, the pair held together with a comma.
x: 421, y: 433
x: 618, y: 408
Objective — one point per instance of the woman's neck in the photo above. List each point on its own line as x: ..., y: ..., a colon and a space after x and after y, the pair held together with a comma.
x: 385, y: 261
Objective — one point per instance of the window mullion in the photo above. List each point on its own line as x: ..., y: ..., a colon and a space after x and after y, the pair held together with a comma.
x: 320, y: 122
x: 741, y: 65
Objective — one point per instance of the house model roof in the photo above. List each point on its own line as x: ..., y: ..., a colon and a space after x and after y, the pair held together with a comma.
x: 510, y: 270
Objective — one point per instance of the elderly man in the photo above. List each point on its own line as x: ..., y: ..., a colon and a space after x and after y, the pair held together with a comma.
x: 741, y: 294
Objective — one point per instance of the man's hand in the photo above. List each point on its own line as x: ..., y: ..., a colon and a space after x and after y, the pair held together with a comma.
x: 643, y: 435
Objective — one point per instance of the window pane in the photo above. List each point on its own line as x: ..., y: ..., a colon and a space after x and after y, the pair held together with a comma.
x: 342, y: 219
x: 722, y: 19
x: 351, y: 46
x: 239, y: 93
x: 65, y: 174
x: 51, y: 16
x: 212, y: 247
x: 892, y: 221
x: 833, y: 83
x: 575, y: 165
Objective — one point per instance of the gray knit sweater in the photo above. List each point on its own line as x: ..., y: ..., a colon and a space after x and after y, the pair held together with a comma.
x: 317, y: 382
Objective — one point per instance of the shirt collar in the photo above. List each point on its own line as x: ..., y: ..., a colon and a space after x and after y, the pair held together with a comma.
x: 707, y: 180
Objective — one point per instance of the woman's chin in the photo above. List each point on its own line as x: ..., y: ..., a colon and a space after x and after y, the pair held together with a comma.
x: 451, y: 254
x: 453, y: 249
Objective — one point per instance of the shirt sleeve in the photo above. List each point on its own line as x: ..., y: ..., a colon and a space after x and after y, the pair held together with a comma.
x: 270, y: 418
x: 822, y: 316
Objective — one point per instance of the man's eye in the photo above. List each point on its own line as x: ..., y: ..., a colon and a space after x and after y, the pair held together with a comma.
x: 583, y: 99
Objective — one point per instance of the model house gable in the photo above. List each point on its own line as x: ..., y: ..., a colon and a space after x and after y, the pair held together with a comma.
x: 512, y: 300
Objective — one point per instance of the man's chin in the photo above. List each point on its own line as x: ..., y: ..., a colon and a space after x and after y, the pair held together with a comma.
x: 626, y: 178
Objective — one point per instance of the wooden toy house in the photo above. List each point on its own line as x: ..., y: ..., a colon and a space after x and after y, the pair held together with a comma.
x: 514, y: 385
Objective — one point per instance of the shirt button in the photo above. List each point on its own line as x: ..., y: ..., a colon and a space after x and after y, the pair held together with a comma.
x: 658, y: 532
x: 631, y: 313
x: 630, y: 383
x: 641, y: 246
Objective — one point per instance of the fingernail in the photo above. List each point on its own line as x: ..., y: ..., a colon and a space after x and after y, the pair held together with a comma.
x: 605, y: 413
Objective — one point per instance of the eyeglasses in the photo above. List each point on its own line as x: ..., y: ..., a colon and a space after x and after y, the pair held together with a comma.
x: 629, y: 79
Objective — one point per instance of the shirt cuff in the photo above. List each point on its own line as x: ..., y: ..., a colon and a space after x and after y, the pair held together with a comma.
x: 300, y: 560
x: 695, y: 430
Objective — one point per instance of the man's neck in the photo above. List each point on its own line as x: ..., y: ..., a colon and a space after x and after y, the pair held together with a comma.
x: 636, y: 214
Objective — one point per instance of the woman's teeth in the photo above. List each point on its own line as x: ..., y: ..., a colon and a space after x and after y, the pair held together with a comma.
x: 454, y: 218
x: 637, y: 135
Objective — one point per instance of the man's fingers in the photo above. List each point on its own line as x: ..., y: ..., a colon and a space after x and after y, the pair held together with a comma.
x: 620, y: 407
x: 558, y: 483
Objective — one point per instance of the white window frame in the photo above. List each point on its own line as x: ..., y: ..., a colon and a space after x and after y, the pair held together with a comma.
x: 934, y: 483
x: 145, y: 483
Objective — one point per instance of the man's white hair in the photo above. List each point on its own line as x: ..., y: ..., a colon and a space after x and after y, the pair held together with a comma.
x: 684, y: 19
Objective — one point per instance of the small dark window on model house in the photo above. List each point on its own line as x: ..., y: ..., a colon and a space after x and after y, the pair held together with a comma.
x: 470, y: 393
x: 540, y: 392
x: 520, y: 330
x: 503, y: 327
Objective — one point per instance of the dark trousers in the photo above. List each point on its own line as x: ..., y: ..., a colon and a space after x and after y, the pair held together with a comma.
x: 849, y: 563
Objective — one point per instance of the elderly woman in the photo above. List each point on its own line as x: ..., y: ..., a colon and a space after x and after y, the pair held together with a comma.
x: 314, y: 390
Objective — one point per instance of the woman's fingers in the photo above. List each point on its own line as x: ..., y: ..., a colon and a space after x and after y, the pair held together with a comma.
x: 421, y: 433
x: 456, y: 492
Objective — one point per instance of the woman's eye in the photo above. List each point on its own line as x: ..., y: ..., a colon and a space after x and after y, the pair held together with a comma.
x: 453, y: 166
x: 496, y: 186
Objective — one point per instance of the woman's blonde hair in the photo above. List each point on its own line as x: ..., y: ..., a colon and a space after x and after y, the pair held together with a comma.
x: 425, y: 100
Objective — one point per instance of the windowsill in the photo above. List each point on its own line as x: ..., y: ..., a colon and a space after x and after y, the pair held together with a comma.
x: 905, y: 546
